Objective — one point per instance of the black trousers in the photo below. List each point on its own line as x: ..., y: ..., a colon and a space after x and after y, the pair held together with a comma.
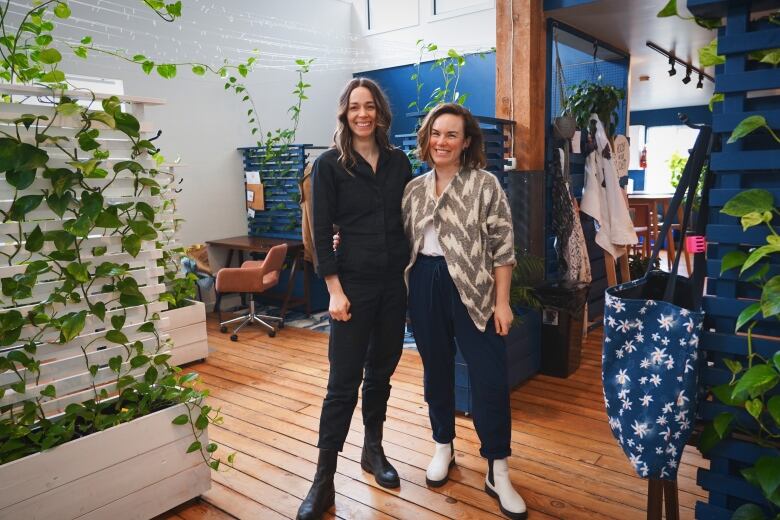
x: 439, y: 318
x: 366, y: 348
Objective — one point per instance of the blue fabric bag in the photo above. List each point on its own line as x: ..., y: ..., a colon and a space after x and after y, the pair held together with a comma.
x: 651, y: 337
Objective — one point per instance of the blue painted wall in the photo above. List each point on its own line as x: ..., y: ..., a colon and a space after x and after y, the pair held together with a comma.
x: 478, y: 79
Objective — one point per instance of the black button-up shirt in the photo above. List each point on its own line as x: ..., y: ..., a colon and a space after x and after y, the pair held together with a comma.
x: 366, y: 207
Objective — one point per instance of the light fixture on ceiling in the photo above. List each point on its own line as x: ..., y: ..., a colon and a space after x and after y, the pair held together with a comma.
x: 674, y: 60
x: 672, y: 71
x: 700, y: 83
x: 687, y: 78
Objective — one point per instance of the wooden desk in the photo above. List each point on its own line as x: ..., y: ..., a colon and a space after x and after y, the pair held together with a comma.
x: 240, y: 244
x: 655, y: 200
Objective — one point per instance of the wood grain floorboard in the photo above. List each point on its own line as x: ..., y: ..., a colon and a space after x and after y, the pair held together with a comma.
x: 564, y: 462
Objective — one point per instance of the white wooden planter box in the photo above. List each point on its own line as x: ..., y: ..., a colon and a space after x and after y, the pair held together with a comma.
x: 136, y: 470
x: 187, y: 328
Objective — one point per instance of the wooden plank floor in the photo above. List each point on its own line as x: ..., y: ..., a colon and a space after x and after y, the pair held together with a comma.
x: 565, y: 462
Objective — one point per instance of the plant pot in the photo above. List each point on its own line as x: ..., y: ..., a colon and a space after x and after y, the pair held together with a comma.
x: 187, y: 328
x: 135, y: 470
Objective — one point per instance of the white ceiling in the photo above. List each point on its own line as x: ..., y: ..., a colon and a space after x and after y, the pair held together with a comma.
x: 628, y: 25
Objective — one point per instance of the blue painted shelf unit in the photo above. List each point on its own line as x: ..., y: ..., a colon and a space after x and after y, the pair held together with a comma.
x: 752, y: 162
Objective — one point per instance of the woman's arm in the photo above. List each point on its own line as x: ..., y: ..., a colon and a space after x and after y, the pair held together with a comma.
x: 324, y: 211
x: 503, y: 315
x: 501, y: 243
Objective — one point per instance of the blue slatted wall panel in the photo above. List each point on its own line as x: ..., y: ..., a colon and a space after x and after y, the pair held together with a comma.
x: 753, y: 162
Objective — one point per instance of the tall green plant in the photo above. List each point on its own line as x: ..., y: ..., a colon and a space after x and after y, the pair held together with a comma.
x: 450, y: 67
x: 752, y: 387
x: 83, y: 283
x: 596, y: 98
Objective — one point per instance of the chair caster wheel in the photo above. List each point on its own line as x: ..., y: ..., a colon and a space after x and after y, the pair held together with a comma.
x: 272, y: 334
x: 223, y: 329
x: 234, y: 337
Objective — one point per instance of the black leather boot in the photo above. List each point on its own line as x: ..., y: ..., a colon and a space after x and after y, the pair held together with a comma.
x: 322, y: 494
x: 374, y: 461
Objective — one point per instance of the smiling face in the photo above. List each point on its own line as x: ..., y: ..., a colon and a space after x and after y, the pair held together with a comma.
x: 361, y: 113
x: 448, y: 141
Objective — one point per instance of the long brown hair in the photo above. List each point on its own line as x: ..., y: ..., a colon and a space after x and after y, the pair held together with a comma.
x: 473, y: 156
x: 342, y: 137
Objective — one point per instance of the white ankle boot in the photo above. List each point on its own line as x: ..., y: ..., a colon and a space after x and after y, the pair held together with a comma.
x: 498, y: 485
x: 438, y: 470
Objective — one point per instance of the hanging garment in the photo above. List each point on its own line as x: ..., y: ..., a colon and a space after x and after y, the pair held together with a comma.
x: 570, y: 240
x: 306, y: 228
x: 603, y: 199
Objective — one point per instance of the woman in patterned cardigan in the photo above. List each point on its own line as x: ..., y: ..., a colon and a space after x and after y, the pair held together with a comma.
x: 459, y: 227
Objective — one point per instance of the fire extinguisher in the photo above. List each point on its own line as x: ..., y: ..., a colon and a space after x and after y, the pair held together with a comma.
x: 643, y: 158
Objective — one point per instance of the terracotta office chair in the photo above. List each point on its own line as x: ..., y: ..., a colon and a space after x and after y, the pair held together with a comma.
x: 252, y: 278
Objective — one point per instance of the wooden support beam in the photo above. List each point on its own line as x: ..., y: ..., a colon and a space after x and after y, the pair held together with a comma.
x: 520, y: 96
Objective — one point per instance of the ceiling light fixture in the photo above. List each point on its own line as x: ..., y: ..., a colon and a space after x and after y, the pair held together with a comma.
x: 672, y: 71
x: 700, y: 83
x: 674, y: 60
x: 687, y: 78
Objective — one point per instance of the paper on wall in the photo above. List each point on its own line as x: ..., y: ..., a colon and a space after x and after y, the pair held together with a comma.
x: 250, y: 195
x: 250, y: 212
x: 253, y: 177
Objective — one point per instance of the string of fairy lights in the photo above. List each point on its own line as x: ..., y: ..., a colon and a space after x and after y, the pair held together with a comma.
x: 213, y: 33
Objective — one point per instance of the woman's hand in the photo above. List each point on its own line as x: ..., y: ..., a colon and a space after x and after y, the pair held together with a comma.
x: 339, y: 307
x: 503, y: 317
x: 336, y: 241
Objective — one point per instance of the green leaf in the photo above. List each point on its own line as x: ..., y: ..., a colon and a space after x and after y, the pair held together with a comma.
x: 147, y: 66
x: 722, y: 422
x: 86, y: 40
x: 104, y: 117
x: 62, y: 10
x: 749, y: 201
x: 773, y: 407
x: 93, y: 370
x: 161, y: 359
x: 115, y: 363
x: 78, y: 271
x: 24, y: 205
x: 54, y: 76
x: 99, y: 310
x: 201, y: 422
x: 211, y: 448
x: 146, y: 210
x: 72, y: 325
x: 143, y: 229
x: 81, y: 52
x: 734, y: 366
x: 167, y: 71
x: 756, y: 381
x: 118, y: 321
x: 708, y: 439
x: 757, y: 254
x: 49, y: 391
x: 731, y: 260
x: 776, y: 360
x: 181, y: 419
x: 115, y: 336
x: 146, y: 327
x: 34, y: 240
x: 108, y: 219
x: 127, y: 123
x: 20, y: 179
x: 195, y: 446
x: 724, y: 394
x: 708, y: 55
x: 768, y: 474
x: 49, y: 56
x: 99, y: 250
x: 59, y: 203
x: 770, y: 297
x: 150, y: 376
x: 771, y: 56
x: 754, y: 407
x: 79, y: 227
x: 716, y: 98
x: 231, y: 458
x: 139, y: 361
x: 748, y: 512
x: 132, y: 244
x: 746, y: 126
x: 44, y: 40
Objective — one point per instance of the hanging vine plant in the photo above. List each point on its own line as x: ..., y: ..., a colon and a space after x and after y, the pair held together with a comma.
x: 596, y: 98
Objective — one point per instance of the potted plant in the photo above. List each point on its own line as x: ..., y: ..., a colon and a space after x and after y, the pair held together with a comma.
x: 596, y: 98
x: 88, y: 398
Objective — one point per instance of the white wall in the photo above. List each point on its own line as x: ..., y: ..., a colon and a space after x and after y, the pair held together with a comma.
x: 202, y: 123
x: 470, y: 29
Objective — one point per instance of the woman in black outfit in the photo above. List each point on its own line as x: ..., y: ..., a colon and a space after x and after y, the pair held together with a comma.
x: 357, y: 186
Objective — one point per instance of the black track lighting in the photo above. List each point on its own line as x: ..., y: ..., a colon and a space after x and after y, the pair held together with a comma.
x: 689, y: 68
x: 672, y: 71
x: 700, y: 83
x: 687, y: 78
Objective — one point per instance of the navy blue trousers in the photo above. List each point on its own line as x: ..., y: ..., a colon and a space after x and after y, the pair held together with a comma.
x: 364, y: 349
x: 439, y: 317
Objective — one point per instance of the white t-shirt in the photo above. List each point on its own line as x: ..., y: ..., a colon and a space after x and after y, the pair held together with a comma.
x: 431, y: 246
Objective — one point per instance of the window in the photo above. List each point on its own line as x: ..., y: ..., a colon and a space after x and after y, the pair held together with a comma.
x: 441, y: 7
x: 662, y: 143
x: 385, y: 15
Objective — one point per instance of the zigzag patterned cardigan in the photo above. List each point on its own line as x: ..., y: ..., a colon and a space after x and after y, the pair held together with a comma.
x: 474, y: 225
